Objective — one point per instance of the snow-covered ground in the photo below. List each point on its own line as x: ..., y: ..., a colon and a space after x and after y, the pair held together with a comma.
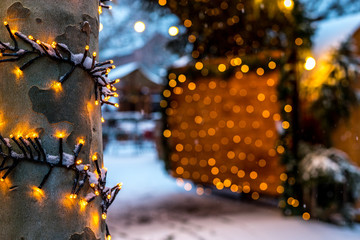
x: 152, y: 206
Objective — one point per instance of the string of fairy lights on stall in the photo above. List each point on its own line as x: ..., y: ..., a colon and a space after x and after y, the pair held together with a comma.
x: 237, y: 65
x: 30, y: 145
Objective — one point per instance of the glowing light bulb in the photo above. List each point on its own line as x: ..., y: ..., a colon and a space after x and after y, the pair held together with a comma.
x: 113, y: 88
x: 100, y: 10
x: 82, y: 141
x: 97, y: 193
x: 38, y: 42
x: 94, y: 54
x: 102, y: 120
x: 288, y: 4
x: 92, y: 185
x: 78, y: 162
x: 96, y: 102
x: 111, y: 61
x: 56, y: 86
x: 139, y: 27
x: 53, y: 44
x: 86, y: 168
x: 103, y: 216
x: 117, y: 80
x: 108, y: 237
x: 11, y: 135
x: 116, y: 95
x: 2, y: 180
x: 108, y: 196
x: 94, y: 157
x: 87, y: 47
x: 60, y: 134
x: 116, y: 105
x: 31, y: 37
x: 6, y: 23
x: 83, y: 203
x: 310, y: 63
x: 119, y: 185
x: 173, y: 31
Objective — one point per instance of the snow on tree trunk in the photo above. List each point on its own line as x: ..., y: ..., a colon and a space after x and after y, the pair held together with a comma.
x: 29, y: 103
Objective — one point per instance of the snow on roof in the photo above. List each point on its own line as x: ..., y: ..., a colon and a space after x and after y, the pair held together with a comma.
x: 124, y: 70
x: 182, y: 62
x: 331, y: 33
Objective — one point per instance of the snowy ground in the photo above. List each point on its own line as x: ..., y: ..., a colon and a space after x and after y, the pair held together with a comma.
x: 152, y: 206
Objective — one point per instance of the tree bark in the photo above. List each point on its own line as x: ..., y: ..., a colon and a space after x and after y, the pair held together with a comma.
x: 29, y: 104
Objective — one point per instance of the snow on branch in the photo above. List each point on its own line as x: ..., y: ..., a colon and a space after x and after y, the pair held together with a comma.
x: 98, y: 71
x: 32, y: 150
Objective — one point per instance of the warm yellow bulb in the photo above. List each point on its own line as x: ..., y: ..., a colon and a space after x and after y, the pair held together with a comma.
x: 103, y: 216
x: 173, y: 31
x: 56, y: 86
x: 6, y: 23
x: 97, y: 193
x: 87, y: 47
x: 222, y: 67
x: 96, y: 102
x: 116, y: 95
x: 289, y: 4
x: 94, y: 54
x: 162, y: 2
x: 108, y: 237
x: 113, y: 88
x: 78, y: 162
x: 83, y: 203
x: 94, y: 157
x: 108, y: 196
x: 60, y: 134
x: 31, y: 37
x: 82, y: 141
x: 116, y: 105
x: 310, y: 63
x: 86, y: 168
x: 139, y: 26
x: 199, y: 65
x: 53, y: 44
x: 117, y: 80
x: 100, y: 10
x: 102, y: 120
x: 119, y: 185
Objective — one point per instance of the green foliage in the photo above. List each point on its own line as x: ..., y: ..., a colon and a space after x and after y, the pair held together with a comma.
x: 337, y: 97
x: 238, y: 28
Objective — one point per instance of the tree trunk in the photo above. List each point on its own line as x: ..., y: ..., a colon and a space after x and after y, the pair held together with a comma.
x: 28, y: 104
